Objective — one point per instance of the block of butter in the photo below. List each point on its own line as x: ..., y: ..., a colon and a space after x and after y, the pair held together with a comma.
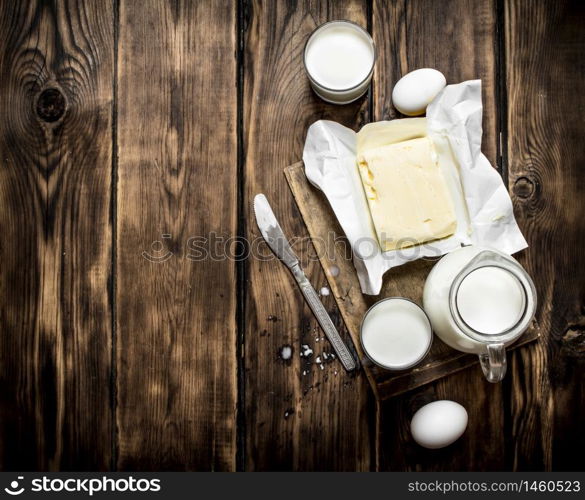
x: 407, y: 193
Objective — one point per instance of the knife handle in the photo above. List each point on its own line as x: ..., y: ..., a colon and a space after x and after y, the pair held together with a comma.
x: 323, y: 318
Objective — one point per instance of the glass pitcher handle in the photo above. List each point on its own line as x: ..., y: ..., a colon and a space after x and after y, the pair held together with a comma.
x: 493, y: 363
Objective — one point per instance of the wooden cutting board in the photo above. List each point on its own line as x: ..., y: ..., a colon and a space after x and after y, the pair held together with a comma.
x: 404, y: 281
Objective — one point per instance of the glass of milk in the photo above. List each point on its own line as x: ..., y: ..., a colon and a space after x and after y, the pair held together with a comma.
x: 479, y: 301
x: 339, y: 59
x: 396, y: 333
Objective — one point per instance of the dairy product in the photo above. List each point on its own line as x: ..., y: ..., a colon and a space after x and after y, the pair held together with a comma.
x: 339, y: 58
x: 491, y: 300
x: 396, y: 333
x: 377, y: 134
x: 407, y: 193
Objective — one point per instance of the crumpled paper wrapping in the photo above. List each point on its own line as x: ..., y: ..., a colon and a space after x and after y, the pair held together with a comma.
x: 482, y: 203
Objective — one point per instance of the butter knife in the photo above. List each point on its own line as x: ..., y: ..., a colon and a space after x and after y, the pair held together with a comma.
x: 272, y: 233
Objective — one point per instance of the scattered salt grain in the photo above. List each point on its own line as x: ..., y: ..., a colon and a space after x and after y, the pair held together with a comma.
x: 324, y: 291
x: 286, y: 352
x: 306, y: 351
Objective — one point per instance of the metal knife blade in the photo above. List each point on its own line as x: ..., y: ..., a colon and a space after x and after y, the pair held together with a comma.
x: 272, y: 232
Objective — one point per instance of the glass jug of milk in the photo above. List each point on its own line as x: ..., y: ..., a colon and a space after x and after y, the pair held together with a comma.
x: 479, y: 301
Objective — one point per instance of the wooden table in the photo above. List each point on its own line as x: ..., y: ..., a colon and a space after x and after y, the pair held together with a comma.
x: 135, y: 135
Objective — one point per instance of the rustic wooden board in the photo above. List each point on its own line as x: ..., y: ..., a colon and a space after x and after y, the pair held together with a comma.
x: 177, y: 169
x: 545, y: 151
x: 56, y: 71
x: 297, y: 416
x: 405, y: 281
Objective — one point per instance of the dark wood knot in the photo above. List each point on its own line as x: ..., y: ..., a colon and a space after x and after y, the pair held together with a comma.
x: 524, y: 187
x: 51, y: 105
x: 573, y: 340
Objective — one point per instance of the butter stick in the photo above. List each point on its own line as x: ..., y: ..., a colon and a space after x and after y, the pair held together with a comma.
x: 407, y: 194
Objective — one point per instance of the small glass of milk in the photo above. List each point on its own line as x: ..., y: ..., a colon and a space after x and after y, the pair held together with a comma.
x: 339, y: 59
x: 396, y: 333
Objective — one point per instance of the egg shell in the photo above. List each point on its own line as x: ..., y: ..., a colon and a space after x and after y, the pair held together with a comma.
x: 415, y: 90
x: 438, y: 424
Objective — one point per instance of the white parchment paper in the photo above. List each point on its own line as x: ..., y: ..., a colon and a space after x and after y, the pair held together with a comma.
x: 482, y: 203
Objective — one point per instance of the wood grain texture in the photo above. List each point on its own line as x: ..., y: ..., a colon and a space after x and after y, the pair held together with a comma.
x: 407, y: 281
x: 176, y: 296
x: 298, y: 416
x: 56, y: 69
x: 545, y: 88
x: 482, y: 446
x: 457, y: 37
x: 119, y: 144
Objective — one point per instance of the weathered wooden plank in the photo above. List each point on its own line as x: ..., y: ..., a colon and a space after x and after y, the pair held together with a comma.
x: 545, y: 89
x: 458, y: 38
x: 329, y: 427
x: 56, y: 69
x: 176, y: 302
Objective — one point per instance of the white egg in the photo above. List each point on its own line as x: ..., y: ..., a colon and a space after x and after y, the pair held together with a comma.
x: 415, y: 90
x: 438, y: 424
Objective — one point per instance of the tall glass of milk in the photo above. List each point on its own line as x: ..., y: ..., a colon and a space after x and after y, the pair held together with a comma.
x: 339, y: 59
x: 480, y: 301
